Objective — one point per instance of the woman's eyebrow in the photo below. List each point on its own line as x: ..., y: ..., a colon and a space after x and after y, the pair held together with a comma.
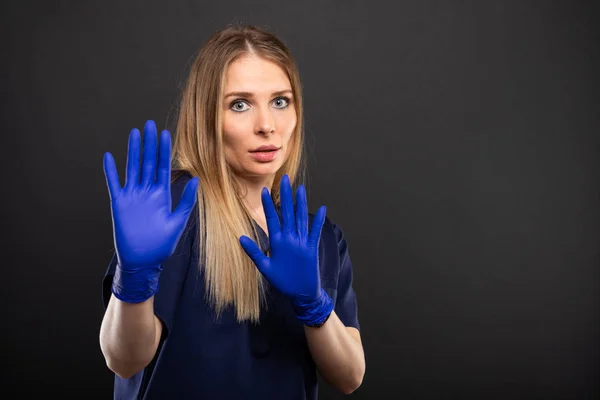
x: 248, y: 94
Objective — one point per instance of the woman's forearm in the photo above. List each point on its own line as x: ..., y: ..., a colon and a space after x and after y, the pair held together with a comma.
x: 339, y: 355
x: 129, y: 336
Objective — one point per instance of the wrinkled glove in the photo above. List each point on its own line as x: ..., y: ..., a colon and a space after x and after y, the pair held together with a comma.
x: 293, y: 267
x: 145, y: 230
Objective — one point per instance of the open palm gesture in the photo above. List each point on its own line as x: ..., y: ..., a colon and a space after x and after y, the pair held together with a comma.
x: 293, y: 267
x: 145, y: 229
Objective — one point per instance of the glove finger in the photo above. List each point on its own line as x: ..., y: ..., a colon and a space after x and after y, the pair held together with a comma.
x: 317, y: 225
x: 164, y: 159
x: 287, y: 205
x: 112, y: 177
x: 149, y: 163
x: 255, y: 253
x: 133, y: 159
x: 188, y: 199
x: 301, y: 212
x: 270, y: 214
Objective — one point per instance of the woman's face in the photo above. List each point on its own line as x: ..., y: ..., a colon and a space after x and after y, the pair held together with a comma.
x: 258, y: 111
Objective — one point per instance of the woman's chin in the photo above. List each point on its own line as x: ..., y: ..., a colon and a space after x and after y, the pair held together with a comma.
x: 264, y: 168
x: 263, y: 171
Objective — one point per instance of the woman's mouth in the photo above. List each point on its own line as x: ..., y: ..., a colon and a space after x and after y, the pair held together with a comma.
x: 264, y: 155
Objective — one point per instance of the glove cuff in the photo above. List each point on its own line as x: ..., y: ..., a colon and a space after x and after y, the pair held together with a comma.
x: 314, y: 313
x: 135, y: 285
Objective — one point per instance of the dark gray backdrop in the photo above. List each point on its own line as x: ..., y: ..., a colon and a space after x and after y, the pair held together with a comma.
x: 456, y: 143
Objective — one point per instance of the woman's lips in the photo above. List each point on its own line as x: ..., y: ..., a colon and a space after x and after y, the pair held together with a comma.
x: 264, y: 156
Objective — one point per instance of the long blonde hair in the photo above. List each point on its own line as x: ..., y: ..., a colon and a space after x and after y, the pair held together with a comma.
x: 231, y: 278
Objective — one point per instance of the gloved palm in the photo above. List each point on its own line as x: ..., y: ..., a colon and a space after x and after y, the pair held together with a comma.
x: 293, y: 267
x: 145, y: 229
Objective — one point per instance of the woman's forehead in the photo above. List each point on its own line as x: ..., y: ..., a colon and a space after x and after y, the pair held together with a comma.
x: 255, y: 75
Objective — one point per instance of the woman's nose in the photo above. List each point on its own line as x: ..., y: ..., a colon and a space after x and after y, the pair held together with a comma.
x: 265, y: 124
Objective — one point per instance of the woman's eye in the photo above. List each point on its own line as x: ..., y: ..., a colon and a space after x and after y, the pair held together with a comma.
x: 278, y: 101
x: 238, y: 105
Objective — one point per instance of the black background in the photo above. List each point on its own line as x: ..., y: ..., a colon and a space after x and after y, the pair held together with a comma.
x: 456, y: 143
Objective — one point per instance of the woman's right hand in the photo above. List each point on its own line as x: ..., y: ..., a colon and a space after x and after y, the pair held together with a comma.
x: 145, y: 230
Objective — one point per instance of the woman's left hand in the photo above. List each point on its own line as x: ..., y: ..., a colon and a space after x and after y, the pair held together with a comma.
x: 293, y: 267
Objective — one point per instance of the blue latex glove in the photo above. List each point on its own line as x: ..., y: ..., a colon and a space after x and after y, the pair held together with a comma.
x: 145, y: 230
x: 293, y: 267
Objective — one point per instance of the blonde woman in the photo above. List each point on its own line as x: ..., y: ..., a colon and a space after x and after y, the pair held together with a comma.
x: 220, y: 287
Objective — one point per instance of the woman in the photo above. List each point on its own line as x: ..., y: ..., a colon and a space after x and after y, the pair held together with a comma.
x: 236, y: 293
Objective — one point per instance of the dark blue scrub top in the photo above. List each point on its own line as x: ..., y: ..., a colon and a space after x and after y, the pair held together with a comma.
x: 199, y: 358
